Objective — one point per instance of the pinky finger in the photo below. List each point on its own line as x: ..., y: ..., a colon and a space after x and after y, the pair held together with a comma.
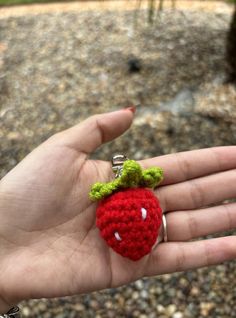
x: 181, y: 256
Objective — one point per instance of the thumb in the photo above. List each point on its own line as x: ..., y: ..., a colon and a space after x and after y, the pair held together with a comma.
x: 98, y: 129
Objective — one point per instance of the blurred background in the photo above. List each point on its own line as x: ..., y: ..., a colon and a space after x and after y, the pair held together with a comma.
x: 61, y: 62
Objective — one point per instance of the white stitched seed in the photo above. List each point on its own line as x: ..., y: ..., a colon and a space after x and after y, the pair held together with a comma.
x: 117, y: 236
x: 144, y: 213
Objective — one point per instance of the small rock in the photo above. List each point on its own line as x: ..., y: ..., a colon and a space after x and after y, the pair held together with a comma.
x: 177, y: 314
x: 94, y: 304
x: 144, y: 294
x: 108, y: 304
x: 160, y: 308
x: 170, y: 310
x: 42, y: 306
x: 139, y: 284
x: 79, y: 307
x: 135, y: 295
x: 194, y: 291
x: 206, y: 308
x: 26, y: 311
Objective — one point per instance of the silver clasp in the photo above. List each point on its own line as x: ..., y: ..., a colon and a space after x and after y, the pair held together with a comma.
x: 13, y: 313
x: 117, y: 162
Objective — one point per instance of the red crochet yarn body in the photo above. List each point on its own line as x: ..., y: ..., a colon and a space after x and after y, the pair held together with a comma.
x: 129, y: 221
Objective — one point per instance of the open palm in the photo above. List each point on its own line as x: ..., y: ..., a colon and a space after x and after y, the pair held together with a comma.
x: 50, y: 245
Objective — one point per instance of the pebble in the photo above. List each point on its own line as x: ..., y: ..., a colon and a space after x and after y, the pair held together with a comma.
x: 206, y: 308
x: 79, y: 307
x: 42, y: 306
x: 177, y: 314
x: 160, y: 309
x: 108, y: 304
x: 144, y: 294
x: 26, y: 312
x: 135, y: 295
x: 194, y: 291
x: 171, y: 309
x: 139, y: 284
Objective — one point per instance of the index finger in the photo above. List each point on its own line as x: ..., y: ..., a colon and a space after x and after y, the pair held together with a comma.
x: 188, y: 165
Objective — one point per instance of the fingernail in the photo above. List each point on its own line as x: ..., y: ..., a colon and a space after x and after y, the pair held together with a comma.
x: 131, y: 108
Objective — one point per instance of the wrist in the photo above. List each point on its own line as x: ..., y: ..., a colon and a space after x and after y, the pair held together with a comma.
x: 8, y: 296
x: 5, y: 305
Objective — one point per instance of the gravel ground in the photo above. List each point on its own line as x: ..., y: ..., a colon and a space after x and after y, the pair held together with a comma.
x: 58, y: 68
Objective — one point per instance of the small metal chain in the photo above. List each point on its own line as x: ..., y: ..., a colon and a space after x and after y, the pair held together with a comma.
x: 13, y: 313
x: 117, y: 162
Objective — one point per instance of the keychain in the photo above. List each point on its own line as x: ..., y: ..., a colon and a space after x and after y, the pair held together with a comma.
x: 129, y: 215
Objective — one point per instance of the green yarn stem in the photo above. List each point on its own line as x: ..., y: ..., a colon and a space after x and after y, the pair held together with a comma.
x: 132, y: 176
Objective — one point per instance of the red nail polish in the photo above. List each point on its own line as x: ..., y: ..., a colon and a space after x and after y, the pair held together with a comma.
x: 131, y: 108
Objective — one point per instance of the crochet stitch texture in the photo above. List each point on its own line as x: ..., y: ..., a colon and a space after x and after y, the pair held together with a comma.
x: 129, y: 215
x: 122, y: 213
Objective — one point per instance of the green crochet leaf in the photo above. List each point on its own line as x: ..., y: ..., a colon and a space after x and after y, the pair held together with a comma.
x: 101, y: 190
x: 132, y: 176
x: 152, y: 177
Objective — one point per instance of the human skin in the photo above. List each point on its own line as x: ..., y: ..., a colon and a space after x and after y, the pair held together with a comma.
x: 50, y: 246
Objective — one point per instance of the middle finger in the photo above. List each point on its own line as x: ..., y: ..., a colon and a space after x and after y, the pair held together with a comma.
x: 197, y: 193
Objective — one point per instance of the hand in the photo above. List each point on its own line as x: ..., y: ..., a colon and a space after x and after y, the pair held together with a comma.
x: 50, y: 245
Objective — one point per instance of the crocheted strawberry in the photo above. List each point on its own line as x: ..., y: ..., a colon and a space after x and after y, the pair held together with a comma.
x: 129, y: 215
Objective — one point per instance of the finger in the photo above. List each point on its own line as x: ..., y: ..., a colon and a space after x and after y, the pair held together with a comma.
x: 175, y: 257
x: 183, y: 166
x: 197, y: 193
x: 96, y: 130
x: 187, y: 225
